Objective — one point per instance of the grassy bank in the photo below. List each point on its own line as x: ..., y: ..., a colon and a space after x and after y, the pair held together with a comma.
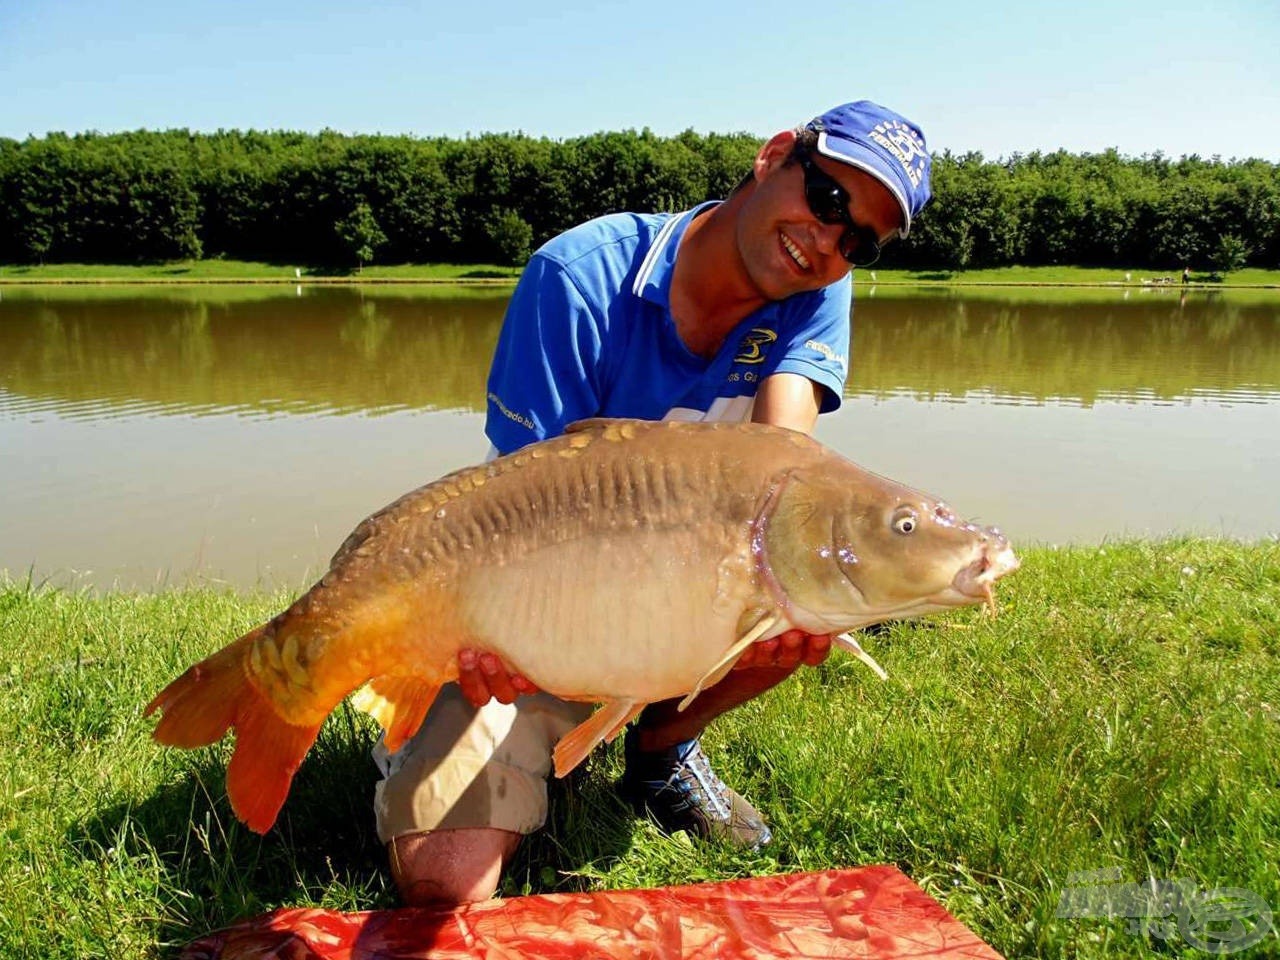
x: 234, y: 271
x: 242, y: 271
x: 1123, y: 711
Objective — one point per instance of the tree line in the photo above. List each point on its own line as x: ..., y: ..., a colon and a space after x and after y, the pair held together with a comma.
x: 332, y: 198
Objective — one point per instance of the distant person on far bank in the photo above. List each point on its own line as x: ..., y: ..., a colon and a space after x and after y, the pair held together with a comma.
x: 735, y: 310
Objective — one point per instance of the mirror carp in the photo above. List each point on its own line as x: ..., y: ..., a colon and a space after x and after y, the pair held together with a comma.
x: 622, y: 563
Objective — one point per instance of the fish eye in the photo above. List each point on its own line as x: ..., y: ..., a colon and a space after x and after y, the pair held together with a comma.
x: 905, y: 522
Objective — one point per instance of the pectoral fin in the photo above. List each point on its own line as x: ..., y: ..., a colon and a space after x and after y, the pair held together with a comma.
x: 725, y: 663
x: 605, y: 724
x: 846, y: 640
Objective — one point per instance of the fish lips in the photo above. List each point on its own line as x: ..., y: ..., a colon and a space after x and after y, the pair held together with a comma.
x: 974, y: 582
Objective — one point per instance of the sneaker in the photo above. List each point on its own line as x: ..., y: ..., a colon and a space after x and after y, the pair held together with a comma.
x: 678, y: 789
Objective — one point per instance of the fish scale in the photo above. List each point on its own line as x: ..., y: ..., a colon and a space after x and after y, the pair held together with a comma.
x: 623, y: 563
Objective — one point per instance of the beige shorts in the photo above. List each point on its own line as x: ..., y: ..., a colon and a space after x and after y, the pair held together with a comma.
x: 473, y: 767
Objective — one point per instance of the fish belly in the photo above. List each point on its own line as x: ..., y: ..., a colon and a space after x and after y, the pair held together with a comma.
x: 640, y: 616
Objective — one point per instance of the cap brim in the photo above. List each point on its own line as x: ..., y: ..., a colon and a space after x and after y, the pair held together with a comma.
x: 869, y: 162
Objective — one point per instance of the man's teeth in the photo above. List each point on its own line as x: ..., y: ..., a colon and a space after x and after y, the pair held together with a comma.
x: 792, y: 249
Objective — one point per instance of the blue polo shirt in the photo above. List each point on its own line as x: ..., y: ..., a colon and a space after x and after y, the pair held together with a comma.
x: 589, y: 332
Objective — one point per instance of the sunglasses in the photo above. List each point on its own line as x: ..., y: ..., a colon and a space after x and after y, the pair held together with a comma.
x: 829, y: 202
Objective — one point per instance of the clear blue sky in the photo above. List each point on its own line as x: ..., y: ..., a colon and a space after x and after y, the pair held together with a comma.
x: 997, y: 77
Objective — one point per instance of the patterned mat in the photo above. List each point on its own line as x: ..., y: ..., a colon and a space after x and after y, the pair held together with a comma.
x: 866, y: 912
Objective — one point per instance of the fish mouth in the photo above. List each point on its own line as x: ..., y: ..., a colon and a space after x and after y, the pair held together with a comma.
x: 975, y: 581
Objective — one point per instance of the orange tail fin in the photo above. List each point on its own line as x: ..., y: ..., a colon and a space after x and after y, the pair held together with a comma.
x: 215, y: 695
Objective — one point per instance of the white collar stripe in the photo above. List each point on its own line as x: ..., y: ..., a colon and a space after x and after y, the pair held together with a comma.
x: 651, y: 258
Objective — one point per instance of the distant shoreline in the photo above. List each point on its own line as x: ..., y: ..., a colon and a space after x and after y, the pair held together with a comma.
x: 229, y: 272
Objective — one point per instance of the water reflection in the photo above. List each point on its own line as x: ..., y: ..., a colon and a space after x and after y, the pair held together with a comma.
x: 329, y: 352
x: 1033, y: 351
x: 239, y: 433
x: 339, y: 351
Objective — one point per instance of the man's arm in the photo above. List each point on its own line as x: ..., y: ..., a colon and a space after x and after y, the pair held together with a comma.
x: 788, y: 400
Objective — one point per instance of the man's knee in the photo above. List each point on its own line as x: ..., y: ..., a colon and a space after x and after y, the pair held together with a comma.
x: 448, y: 867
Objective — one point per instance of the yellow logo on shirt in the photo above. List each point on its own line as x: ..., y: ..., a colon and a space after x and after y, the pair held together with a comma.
x: 751, y: 350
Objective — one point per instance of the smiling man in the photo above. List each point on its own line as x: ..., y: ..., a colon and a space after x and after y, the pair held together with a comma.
x: 734, y: 310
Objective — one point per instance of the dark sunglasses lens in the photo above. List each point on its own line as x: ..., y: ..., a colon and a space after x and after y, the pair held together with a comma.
x: 860, y: 248
x: 829, y: 203
x: 826, y: 198
x: 826, y: 202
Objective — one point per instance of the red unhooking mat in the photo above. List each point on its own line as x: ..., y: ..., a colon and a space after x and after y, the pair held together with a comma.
x: 867, y: 912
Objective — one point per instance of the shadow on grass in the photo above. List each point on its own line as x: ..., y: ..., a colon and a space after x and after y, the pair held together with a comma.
x: 211, y: 871
x: 487, y: 275
x: 588, y: 830
x: 934, y: 275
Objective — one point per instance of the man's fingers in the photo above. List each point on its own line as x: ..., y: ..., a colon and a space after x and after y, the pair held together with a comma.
x: 483, y: 677
x: 498, y: 679
x: 471, y: 680
x: 758, y: 655
x: 818, y: 648
x: 791, y: 647
x: 786, y: 651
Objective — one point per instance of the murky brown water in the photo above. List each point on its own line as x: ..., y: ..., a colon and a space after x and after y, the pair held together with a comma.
x: 237, y: 434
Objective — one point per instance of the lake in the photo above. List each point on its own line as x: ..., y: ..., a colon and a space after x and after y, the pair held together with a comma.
x: 235, y: 435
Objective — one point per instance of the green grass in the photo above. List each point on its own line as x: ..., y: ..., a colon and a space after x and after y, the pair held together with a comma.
x: 228, y: 271
x: 232, y: 271
x: 213, y: 292
x: 1122, y: 711
x: 1137, y: 277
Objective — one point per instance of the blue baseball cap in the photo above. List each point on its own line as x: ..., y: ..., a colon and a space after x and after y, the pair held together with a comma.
x: 883, y: 144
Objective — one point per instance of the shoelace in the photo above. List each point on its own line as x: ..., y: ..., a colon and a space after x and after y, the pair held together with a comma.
x: 692, y: 762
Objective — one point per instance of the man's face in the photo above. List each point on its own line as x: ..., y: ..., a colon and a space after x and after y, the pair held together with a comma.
x: 785, y: 249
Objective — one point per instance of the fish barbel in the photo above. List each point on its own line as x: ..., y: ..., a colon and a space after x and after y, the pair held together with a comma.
x: 623, y: 563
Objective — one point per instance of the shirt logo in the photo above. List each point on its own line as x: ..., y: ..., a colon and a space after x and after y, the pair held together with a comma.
x: 751, y: 349
x: 509, y: 413
x: 826, y: 351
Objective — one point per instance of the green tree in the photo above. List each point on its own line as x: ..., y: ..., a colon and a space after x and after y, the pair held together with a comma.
x: 35, y: 238
x: 360, y: 233
x: 278, y: 196
x: 1231, y: 254
x: 512, y: 238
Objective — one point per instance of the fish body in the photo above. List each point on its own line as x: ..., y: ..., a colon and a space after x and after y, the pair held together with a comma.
x: 623, y: 563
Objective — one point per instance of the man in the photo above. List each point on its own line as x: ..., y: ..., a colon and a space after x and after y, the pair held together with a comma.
x: 730, y: 311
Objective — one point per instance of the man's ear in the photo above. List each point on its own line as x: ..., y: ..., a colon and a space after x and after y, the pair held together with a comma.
x: 774, y: 153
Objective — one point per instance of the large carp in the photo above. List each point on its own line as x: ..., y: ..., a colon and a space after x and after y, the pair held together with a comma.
x: 623, y: 563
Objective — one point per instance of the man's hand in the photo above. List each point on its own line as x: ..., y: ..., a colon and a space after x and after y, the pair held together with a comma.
x: 786, y: 651
x: 483, y: 677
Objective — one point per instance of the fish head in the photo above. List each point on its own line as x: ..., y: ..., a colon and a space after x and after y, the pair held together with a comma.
x: 845, y: 548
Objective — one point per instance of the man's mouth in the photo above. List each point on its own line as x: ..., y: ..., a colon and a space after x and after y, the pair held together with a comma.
x: 790, y: 246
